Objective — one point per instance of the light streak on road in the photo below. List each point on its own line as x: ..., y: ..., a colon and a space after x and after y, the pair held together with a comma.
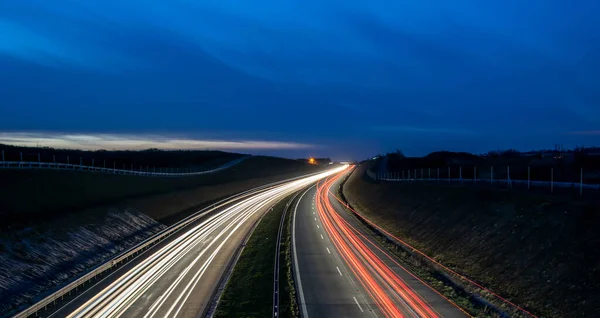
x: 178, y: 267
x: 393, y: 296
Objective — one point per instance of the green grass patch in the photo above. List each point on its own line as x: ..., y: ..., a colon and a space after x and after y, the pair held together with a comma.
x: 249, y: 292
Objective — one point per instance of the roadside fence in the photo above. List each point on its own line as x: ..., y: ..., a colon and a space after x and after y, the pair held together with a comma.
x: 556, y: 178
x: 131, y: 169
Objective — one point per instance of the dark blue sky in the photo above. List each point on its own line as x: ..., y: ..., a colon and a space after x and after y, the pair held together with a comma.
x: 331, y: 78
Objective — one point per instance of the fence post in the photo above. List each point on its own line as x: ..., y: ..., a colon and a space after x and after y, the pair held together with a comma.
x: 528, y: 177
x: 581, y: 182
x: 551, y: 179
x: 508, y: 176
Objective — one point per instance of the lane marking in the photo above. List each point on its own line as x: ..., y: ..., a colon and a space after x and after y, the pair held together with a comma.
x: 315, y: 219
x: 296, y: 269
x: 328, y: 251
x: 359, y: 307
x: 339, y: 271
x: 317, y: 226
x: 322, y: 237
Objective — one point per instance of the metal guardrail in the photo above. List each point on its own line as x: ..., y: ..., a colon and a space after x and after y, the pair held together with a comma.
x: 144, y: 245
x: 67, y: 166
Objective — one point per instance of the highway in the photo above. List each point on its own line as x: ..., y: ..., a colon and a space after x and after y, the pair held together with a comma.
x: 342, y: 271
x: 179, y: 278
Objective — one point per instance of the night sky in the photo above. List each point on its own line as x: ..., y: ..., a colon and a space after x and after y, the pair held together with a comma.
x: 340, y: 78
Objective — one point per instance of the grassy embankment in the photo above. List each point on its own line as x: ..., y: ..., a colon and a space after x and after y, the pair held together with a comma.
x: 249, y: 291
x: 537, y: 250
x: 35, y: 196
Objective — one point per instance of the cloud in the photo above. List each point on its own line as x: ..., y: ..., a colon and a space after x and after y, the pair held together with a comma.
x: 425, y: 130
x: 139, y: 142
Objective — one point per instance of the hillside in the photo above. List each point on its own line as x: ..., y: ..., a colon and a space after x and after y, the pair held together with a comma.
x: 57, y: 225
x: 37, y: 195
x: 538, y: 250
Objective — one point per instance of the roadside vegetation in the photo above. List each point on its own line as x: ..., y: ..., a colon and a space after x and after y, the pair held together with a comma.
x: 537, y: 250
x: 249, y: 291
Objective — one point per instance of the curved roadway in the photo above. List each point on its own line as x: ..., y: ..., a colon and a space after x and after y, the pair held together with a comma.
x: 180, y: 278
x: 342, y: 271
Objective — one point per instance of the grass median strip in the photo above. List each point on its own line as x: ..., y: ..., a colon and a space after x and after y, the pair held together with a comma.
x: 249, y: 291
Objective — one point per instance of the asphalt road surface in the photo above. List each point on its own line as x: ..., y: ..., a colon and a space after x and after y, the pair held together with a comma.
x: 343, y: 272
x: 179, y: 278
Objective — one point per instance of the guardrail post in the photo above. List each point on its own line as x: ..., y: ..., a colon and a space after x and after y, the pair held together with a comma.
x: 402, y: 174
x: 475, y: 174
x: 491, y: 174
x: 508, y: 176
x: 551, y: 180
x: 104, y: 164
x: 448, y: 174
x: 408, y: 174
x: 54, y: 158
x: 68, y: 160
x: 80, y: 163
x: 421, y: 173
x: 460, y: 174
x: 93, y: 163
x: 132, y: 167
x: 39, y: 160
x: 528, y: 177
x: 3, y: 156
x: 429, y: 177
x: 415, y: 176
x: 21, y: 162
x: 438, y: 174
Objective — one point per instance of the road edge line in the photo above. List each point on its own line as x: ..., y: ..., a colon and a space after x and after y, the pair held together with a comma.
x: 303, y: 311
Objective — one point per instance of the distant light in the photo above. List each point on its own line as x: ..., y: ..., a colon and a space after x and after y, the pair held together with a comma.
x: 311, y: 160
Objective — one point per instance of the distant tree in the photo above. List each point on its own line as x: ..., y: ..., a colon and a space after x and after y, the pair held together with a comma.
x: 398, y: 154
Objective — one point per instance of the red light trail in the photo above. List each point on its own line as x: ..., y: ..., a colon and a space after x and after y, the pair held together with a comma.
x: 393, y: 296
